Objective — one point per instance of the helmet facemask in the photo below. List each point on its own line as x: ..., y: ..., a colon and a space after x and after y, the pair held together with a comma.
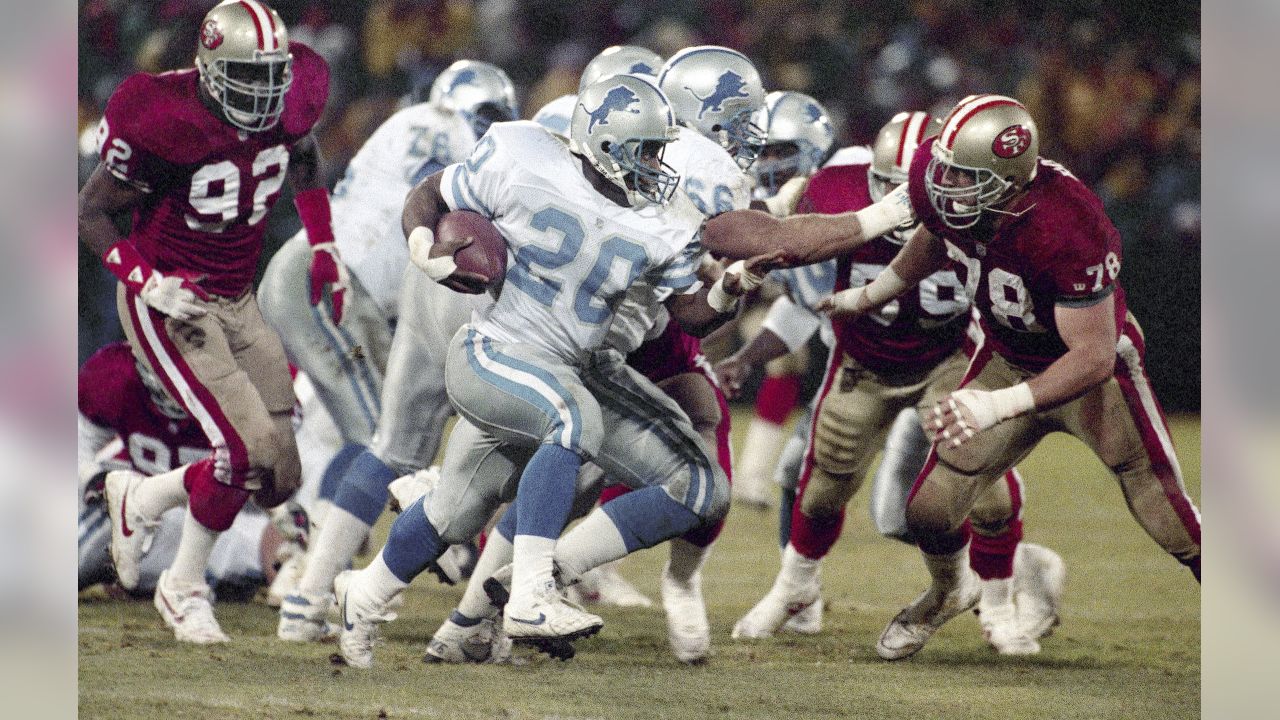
x: 483, y: 115
x: 958, y: 193
x: 742, y: 138
x: 639, y: 170
x: 777, y: 163
x: 250, y: 93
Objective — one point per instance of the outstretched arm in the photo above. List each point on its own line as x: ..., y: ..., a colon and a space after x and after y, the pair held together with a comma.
x: 923, y: 255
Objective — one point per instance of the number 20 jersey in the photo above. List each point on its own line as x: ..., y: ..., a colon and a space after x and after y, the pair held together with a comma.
x: 910, y: 334
x: 571, y: 252
x: 211, y: 184
x: 1054, y: 246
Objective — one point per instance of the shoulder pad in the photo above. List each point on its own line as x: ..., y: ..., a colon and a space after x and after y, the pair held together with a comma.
x: 309, y: 92
x: 161, y: 115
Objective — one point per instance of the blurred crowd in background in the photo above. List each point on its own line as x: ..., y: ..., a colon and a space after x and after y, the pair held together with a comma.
x: 1114, y: 87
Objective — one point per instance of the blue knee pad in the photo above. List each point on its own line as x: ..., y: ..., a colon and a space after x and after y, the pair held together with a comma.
x: 506, y: 526
x: 332, y: 478
x: 649, y: 516
x: 412, y: 544
x: 545, y: 495
x: 363, y: 490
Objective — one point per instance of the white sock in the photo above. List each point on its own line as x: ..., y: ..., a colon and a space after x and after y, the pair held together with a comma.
x: 377, y: 582
x: 531, y: 566
x: 332, y: 550
x: 319, y: 508
x: 159, y: 493
x: 997, y: 591
x: 194, y: 549
x: 591, y: 543
x: 497, y: 552
x: 946, y: 570
x: 760, y: 449
x: 686, y: 560
x: 796, y: 568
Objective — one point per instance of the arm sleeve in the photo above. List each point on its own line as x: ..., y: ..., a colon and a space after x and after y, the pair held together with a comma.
x: 792, y: 323
x: 1083, y: 265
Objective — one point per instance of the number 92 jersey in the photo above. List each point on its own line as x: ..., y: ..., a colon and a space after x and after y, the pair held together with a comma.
x: 211, y: 184
x: 914, y: 332
x: 1055, y: 246
x: 571, y: 253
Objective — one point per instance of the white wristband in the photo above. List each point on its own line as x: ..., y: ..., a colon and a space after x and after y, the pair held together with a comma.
x: 885, y: 287
x: 747, y: 281
x: 718, y: 299
x: 892, y: 210
x: 420, y: 242
x: 1013, y: 401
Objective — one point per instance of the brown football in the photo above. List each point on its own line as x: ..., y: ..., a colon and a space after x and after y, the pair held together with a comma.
x: 486, y: 255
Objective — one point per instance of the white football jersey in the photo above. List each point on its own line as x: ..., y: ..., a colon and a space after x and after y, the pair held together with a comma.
x: 710, y: 183
x: 367, y: 204
x: 806, y: 286
x: 555, y: 115
x: 852, y: 155
x: 571, y: 252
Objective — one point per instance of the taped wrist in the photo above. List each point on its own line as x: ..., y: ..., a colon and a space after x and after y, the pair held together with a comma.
x: 124, y: 261
x: 1013, y: 401
x: 420, y: 242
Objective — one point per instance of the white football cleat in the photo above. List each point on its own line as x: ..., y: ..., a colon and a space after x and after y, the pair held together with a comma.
x: 361, y: 618
x: 543, y: 614
x: 797, y: 587
x: 1001, y: 630
x: 131, y: 532
x: 481, y: 642
x: 1039, y: 576
x: 604, y: 585
x: 303, y: 618
x: 910, y: 629
x: 808, y: 621
x: 687, y: 628
x: 288, y: 576
x: 188, y: 610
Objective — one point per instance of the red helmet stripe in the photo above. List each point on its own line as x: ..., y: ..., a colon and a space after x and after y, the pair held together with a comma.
x: 912, y: 128
x: 902, y: 139
x: 263, y: 23
x: 924, y: 124
x: 959, y: 118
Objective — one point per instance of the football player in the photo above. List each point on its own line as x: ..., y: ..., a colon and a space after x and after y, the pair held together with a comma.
x: 380, y: 389
x: 799, y: 138
x: 128, y: 423
x: 199, y: 156
x: 530, y: 378
x: 1060, y: 351
x: 904, y: 357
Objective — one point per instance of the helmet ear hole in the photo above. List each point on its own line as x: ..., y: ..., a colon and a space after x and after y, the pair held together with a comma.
x: 604, y: 145
x: 716, y: 128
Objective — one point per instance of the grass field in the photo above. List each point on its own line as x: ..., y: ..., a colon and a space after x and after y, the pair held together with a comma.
x: 1129, y: 645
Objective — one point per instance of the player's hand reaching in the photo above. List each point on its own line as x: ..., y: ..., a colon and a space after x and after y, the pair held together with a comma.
x: 327, y: 271
x: 435, y: 258
x: 844, y: 304
x: 744, y: 276
x: 958, y: 417
x: 173, y: 295
x: 732, y: 372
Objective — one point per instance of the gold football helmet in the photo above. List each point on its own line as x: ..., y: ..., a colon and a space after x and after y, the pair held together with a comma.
x: 244, y: 62
x: 894, y: 147
x: 986, y: 150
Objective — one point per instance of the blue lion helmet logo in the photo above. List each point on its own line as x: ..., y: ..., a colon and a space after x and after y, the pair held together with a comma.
x: 466, y: 77
x: 814, y: 112
x: 641, y: 68
x: 618, y: 99
x: 730, y: 85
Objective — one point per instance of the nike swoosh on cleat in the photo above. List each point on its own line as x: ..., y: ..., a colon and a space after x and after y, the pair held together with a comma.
x: 124, y: 516
x: 542, y: 617
x: 177, y: 617
x: 345, y: 623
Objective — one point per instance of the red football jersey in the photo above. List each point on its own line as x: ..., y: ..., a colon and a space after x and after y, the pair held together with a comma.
x: 211, y: 184
x: 1057, y: 248
x: 111, y: 395
x: 914, y: 332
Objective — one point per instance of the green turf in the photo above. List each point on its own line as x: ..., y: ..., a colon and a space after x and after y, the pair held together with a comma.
x: 1129, y: 645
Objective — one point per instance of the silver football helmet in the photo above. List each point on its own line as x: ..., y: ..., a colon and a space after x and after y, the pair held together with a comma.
x: 244, y: 63
x: 714, y: 90
x: 798, y: 138
x: 478, y: 91
x: 160, y: 396
x: 622, y: 125
x: 986, y: 151
x: 620, y: 60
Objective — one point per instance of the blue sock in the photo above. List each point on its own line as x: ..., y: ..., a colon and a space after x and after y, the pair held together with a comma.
x: 506, y: 526
x: 545, y: 496
x: 363, y: 491
x: 412, y: 544
x: 337, y: 467
x: 649, y: 516
x: 784, y: 516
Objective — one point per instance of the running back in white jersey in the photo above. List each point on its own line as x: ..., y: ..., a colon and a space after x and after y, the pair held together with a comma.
x: 571, y: 252
x: 367, y: 203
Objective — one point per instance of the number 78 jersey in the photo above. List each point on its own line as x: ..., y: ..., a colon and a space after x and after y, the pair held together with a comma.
x: 571, y: 253
x: 1055, y: 246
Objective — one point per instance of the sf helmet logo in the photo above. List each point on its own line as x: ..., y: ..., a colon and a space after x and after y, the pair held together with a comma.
x: 210, y: 34
x: 1012, y: 141
x: 618, y: 99
x: 729, y: 86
